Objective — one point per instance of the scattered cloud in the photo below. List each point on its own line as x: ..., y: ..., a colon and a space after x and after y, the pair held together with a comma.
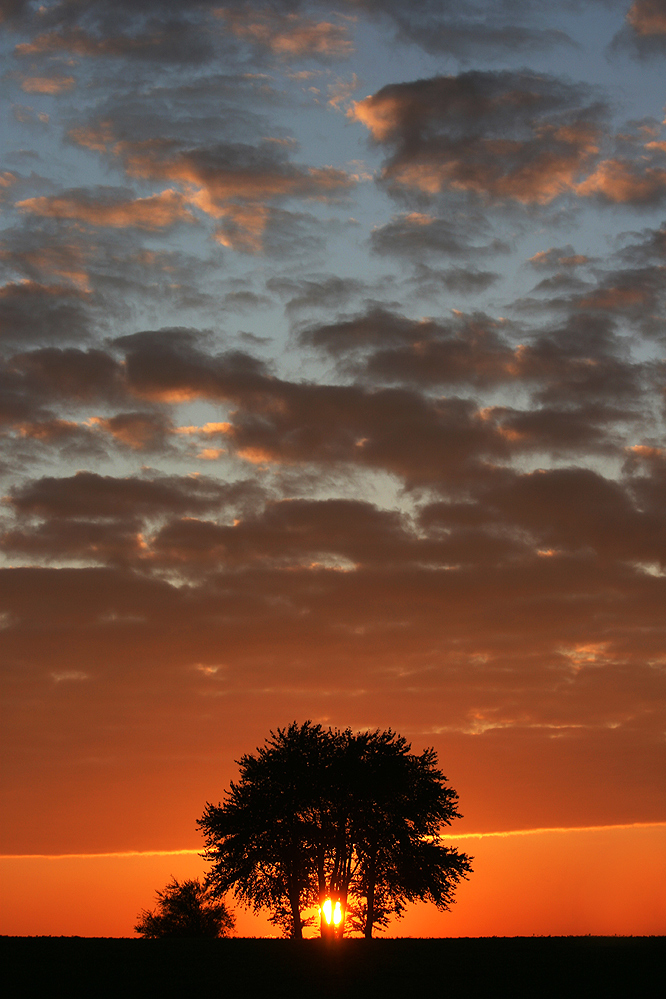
x: 47, y: 84
x: 391, y: 451
x: 112, y: 207
x: 506, y: 134
x: 288, y: 35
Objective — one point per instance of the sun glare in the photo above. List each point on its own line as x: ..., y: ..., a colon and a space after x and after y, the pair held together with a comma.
x: 332, y: 913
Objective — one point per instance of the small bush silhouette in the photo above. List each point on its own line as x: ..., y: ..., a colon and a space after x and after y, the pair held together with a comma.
x: 185, y: 909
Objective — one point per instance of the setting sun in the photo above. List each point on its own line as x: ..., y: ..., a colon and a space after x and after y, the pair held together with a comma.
x: 332, y: 913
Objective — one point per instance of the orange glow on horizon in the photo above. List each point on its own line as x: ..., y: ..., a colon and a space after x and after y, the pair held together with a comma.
x: 528, y: 882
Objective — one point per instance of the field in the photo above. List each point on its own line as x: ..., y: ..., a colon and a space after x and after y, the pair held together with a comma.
x: 467, y: 968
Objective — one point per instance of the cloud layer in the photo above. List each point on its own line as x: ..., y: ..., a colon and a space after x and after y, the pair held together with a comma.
x: 316, y: 404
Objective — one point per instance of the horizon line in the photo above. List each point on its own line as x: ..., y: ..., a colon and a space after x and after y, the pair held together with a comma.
x: 193, y: 852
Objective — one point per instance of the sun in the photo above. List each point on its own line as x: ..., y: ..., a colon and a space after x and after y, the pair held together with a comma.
x: 332, y: 913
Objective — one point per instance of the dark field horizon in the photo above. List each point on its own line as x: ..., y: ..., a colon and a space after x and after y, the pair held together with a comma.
x: 247, y: 967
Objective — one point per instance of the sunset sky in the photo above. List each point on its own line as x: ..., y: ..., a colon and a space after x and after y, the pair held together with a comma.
x: 333, y: 387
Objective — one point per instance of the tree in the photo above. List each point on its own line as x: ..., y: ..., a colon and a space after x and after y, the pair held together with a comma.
x: 261, y: 840
x: 322, y: 814
x: 187, y: 909
x: 401, y: 803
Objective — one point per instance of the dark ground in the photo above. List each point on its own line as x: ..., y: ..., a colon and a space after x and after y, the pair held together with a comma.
x: 469, y: 968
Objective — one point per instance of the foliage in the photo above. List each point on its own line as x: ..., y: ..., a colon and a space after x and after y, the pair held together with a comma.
x: 186, y: 909
x: 321, y: 813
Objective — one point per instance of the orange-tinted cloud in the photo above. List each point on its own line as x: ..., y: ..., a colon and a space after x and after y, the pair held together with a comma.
x: 218, y: 175
x: 49, y: 430
x: 620, y: 182
x: 232, y: 182
x: 503, y: 135
x: 244, y: 227
x: 289, y: 35
x: 613, y: 298
x: 176, y: 40
x: 557, y: 257
x: 97, y: 138
x: 111, y: 209
x: 648, y: 17
x: 139, y: 431
x: 644, y: 32
x: 81, y: 43
x: 66, y: 260
x: 47, y: 84
x: 562, y: 365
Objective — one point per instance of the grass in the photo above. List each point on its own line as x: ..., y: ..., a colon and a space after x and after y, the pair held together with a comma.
x: 466, y: 968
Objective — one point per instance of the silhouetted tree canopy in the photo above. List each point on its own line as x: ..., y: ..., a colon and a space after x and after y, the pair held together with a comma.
x: 186, y: 909
x: 318, y: 813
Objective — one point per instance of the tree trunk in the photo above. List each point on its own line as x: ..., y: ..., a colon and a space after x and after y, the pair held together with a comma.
x: 294, y: 902
x: 293, y: 891
x: 370, y: 898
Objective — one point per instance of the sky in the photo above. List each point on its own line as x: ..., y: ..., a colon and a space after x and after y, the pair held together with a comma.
x: 332, y: 387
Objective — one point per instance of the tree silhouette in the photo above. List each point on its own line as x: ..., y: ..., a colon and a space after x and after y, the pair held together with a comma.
x: 187, y: 909
x: 352, y: 817
x: 261, y: 841
x: 401, y: 801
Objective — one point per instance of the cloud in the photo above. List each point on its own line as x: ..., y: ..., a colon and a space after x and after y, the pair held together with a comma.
x: 216, y: 175
x: 620, y: 182
x: 282, y: 422
x: 418, y: 234
x: 491, y: 31
x: 462, y: 280
x: 289, y: 35
x: 420, y: 439
x: 325, y: 292
x: 447, y: 521
x: 47, y: 84
x: 167, y: 365
x: 112, y: 207
x: 582, y: 357
x: 542, y: 514
x: 558, y: 257
x: 152, y: 31
x: 648, y: 17
x: 561, y: 430
x: 234, y: 183
x: 577, y: 509
x: 617, y: 295
x: 514, y: 135
x: 139, y: 431
x: 68, y: 373
x: 293, y: 533
x: 62, y: 260
x: 390, y: 347
x: 96, y: 541
x: 13, y: 10
x: 31, y: 312
x: 120, y: 268
x: 161, y: 35
x: 644, y: 33
x: 102, y: 497
x: 652, y: 248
